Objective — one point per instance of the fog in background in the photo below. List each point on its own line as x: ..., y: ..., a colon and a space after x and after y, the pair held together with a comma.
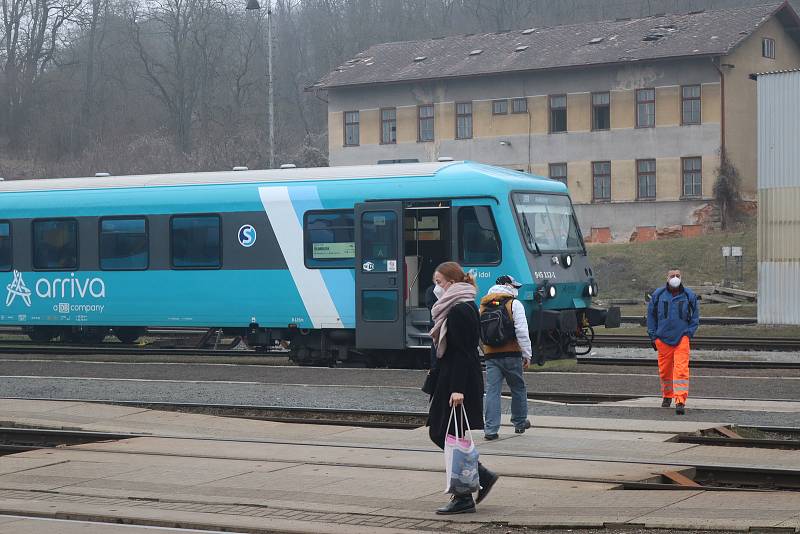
x: 127, y: 87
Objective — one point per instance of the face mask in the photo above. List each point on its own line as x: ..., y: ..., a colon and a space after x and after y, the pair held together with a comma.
x: 438, y: 291
x: 674, y: 282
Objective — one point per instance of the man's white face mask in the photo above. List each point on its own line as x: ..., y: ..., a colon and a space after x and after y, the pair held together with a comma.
x: 675, y: 282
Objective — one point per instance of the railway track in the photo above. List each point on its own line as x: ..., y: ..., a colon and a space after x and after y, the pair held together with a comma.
x: 120, y: 350
x: 693, y: 363
x: 715, y: 476
x: 705, y: 342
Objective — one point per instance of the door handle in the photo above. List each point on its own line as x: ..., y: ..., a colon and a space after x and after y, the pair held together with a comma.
x: 393, y: 281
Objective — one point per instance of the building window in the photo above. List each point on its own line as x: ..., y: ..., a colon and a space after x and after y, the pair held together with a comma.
x: 55, y: 244
x: 645, y: 108
x: 500, y: 107
x: 558, y: 171
x: 388, y: 126
x: 351, y: 128
x: 330, y: 239
x: 478, y: 242
x: 425, y: 120
x: 196, y: 242
x: 558, y: 113
x: 601, y: 181
x: 464, y: 120
x: 123, y: 244
x: 5, y: 246
x: 519, y: 105
x: 646, y: 179
x: 690, y: 104
x: 768, y: 48
x: 692, y: 177
x: 601, y: 111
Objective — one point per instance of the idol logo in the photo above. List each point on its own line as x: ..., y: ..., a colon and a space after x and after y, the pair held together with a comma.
x: 17, y: 288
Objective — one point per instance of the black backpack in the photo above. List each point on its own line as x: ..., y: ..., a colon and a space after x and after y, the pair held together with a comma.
x: 497, y: 327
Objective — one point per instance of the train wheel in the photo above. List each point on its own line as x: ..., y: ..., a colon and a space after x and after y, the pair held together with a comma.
x: 42, y: 334
x: 583, y: 341
x: 94, y: 335
x: 128, y: 334
x: 69, y: 335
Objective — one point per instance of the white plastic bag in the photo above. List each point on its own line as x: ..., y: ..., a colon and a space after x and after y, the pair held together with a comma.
x: 460, y: 458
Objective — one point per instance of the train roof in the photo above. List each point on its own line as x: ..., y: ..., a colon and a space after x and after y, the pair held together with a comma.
x: 313, y: 174
x: 359, y: 172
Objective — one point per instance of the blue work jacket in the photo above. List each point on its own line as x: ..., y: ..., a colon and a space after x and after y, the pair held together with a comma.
x: 670, y: 317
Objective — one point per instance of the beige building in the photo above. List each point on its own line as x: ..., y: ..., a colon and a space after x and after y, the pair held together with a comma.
x: 631, y: 114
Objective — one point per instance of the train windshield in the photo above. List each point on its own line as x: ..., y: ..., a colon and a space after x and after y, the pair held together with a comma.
x: 548, y: 222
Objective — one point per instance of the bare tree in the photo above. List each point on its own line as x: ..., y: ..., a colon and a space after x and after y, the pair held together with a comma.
x: 170, y: 37
x: 31, y: 32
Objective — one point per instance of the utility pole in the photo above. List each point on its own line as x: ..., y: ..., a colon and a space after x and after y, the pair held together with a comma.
x: 271, y: 109
x: 252, y: 5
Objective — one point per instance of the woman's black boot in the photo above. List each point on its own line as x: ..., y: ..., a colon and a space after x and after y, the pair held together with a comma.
x: 487, y: 479
x: 459, y: 504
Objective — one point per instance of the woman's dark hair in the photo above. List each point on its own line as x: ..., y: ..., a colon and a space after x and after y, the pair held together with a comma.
x: 453, y: 272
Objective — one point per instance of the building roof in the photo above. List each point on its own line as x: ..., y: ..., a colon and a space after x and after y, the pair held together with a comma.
x: 756, y: 75
x: 703, y: 33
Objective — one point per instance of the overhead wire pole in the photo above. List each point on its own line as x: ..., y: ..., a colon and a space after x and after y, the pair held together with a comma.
x: 254, y: 5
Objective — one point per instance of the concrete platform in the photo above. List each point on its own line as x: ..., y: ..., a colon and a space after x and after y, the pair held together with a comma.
x: 213, y: 473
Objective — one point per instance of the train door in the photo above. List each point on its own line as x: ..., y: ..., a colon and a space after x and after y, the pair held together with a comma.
x: 427, y: 236
x: 380, y: 276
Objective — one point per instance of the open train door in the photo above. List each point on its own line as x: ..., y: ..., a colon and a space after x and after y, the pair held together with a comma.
x: 380, y: 276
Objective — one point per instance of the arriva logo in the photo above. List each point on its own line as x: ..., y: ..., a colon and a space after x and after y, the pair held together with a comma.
x: 70, y: 288
x: 60, y: 288
x: 16, y: 289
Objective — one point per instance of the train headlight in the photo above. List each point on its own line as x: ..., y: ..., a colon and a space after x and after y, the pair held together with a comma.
x: 591, y: 288
x: 551, y: 292
x: 566, y: 260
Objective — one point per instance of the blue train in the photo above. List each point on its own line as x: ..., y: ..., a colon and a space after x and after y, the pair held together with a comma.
x: 332, y: 263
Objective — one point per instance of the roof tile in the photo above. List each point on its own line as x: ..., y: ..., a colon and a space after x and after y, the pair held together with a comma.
x: 594, y: 43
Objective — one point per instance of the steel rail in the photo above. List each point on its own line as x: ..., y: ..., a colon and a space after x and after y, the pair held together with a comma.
x: 706, y: 364
x: 123, y: 350
x: 721, y: 342
x: 642, y: 320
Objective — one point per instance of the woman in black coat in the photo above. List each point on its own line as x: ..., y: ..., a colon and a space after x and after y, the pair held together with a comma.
x: 456, y: 334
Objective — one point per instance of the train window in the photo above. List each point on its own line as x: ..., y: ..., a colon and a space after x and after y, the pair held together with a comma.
x: 5, y: 246
x: 196, y: 242
x: 123, y: 244
x: 379, y: 242
x: 478, y: 242
x: 330, y: 239
x: 55, y: 244
x: 548, y: 222
x: 379, y: 305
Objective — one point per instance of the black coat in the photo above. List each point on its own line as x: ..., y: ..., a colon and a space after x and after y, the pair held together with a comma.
x: 459, y: 371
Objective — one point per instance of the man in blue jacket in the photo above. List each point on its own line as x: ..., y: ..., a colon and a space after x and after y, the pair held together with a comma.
x: 673, y: 316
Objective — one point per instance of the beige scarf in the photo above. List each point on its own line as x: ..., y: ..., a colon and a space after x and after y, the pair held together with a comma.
x: 455, y: 294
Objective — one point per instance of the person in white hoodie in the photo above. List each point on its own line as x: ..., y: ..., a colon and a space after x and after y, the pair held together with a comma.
x: 506, y: 361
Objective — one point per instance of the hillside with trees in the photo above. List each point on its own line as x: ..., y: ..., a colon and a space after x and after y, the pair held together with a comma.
x: 140, y: 86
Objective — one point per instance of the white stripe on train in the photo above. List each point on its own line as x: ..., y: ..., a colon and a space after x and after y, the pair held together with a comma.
x: 289, y: 232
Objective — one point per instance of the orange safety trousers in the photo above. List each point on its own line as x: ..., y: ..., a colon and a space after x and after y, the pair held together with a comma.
x: 673, y: 368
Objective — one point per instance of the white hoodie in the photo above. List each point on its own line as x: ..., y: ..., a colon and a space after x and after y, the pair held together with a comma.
x: 520, y: 321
